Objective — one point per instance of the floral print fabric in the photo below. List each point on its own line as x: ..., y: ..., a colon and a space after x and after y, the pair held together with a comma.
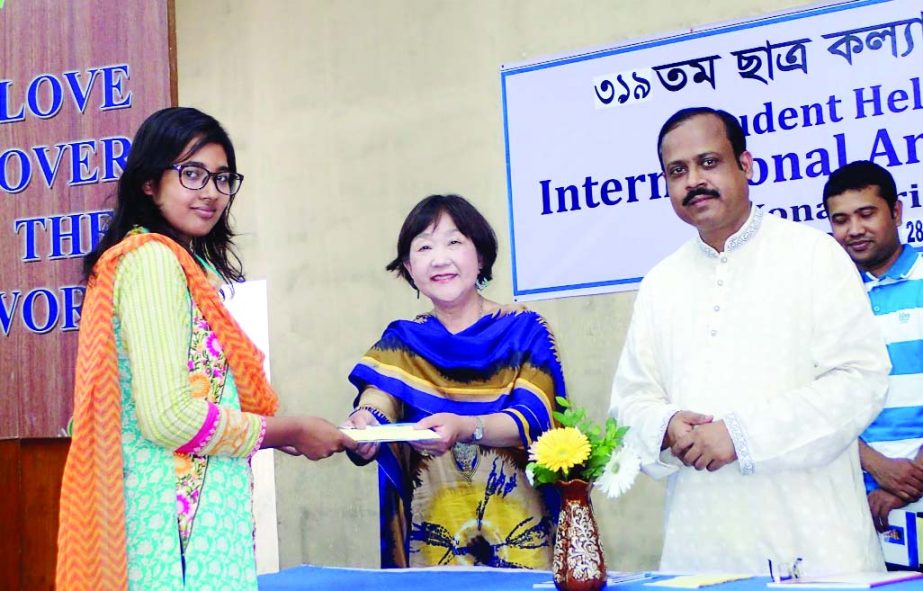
x: 207, y: 372
x: 189, y: 520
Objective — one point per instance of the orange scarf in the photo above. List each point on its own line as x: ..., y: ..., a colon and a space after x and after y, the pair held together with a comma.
x: 91, y: 534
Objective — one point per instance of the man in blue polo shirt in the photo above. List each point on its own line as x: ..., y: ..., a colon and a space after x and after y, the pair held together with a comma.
x: 865, y: 215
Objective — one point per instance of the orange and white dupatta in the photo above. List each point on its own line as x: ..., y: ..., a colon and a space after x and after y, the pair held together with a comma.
x: 91, y: 534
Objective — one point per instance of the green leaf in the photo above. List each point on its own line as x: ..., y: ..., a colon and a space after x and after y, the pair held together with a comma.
x: 604, y: 438
x: 543, y: 475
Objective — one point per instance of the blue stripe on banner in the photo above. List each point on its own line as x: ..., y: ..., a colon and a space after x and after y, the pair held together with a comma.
x: 897, y: 296
x: 906, y: 357
x: 894, y: 424
x: 705, y: 32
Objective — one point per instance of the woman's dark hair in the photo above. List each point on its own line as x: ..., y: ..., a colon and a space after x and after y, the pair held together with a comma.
x: 161, y: 142
x: 468, y: 220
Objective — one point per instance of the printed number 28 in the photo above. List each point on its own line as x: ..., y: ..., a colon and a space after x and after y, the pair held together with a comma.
x: 914, y: 231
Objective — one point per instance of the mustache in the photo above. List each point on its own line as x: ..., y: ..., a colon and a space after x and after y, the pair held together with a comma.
x: 692, y: 194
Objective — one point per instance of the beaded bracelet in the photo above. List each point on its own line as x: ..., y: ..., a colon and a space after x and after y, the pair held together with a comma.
x: 379, y: 416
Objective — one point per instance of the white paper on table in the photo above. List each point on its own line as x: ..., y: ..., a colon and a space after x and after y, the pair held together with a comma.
x: 849, y: 581
x: 699, y: 580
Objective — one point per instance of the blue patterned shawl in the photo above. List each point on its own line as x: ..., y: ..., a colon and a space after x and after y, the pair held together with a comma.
x: 505, y: 364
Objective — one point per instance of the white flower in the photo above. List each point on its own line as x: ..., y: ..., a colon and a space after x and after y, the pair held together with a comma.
x: 530, y: 474
x: 620, y: 473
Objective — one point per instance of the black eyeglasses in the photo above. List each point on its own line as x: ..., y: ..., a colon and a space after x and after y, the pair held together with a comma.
x: 195, y: 177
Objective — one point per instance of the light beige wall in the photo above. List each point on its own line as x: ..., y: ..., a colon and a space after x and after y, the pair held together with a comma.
x: 345, y: 113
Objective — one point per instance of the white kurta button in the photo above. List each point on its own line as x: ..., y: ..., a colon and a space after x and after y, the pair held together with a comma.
x: 721, y: 282
x: 724, y: 259
x: 717, y: 308
x: 714, y: 332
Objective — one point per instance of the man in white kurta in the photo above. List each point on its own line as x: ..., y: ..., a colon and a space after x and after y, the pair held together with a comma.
x: 769, y: 336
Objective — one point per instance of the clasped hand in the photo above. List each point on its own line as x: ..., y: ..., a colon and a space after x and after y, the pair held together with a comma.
x: 699, y: 441
x: 881, y: 503
x: 900, y: 481
x: 901, y: 477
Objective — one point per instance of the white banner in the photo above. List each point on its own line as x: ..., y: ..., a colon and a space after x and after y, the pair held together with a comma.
x: 813, y: 89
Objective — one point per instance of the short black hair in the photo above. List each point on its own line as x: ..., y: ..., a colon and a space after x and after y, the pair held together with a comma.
x: 468, y: 220
x: 858, y: 175
x: 732, y: 128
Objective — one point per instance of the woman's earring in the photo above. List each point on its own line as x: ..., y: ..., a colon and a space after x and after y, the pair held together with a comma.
x: 481, y: 283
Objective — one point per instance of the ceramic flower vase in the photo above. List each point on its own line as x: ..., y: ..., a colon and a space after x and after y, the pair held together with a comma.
x: 578, y: 563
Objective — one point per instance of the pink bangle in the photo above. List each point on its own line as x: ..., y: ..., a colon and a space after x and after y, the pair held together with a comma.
x: 197, y: 443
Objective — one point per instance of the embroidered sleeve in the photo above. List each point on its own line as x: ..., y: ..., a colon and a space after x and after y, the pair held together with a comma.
x: 154, y: 309
x: 387, y: 405
x: 739, y: 439
x: 206, y: 431
x: 236, y: 434
x: 259, y: 439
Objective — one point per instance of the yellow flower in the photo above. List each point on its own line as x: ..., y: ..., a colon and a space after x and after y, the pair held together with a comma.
x: 561, y: 449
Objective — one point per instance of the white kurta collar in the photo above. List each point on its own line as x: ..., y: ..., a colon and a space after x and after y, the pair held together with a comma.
x: 738, y: 238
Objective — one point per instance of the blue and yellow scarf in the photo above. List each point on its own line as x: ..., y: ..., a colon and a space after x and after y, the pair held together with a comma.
x: 501, y: 364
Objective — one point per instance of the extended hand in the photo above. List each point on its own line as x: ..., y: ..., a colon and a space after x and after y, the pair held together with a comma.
x: 360, y: 420
x: 898, y: 476
x: 450, y: 427
x: 881, y: 502
x: 318, y: 438
x: 708, y: 447
x: 680, y: 425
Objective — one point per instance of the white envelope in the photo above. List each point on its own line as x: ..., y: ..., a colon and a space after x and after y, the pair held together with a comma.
x: 389, y: 433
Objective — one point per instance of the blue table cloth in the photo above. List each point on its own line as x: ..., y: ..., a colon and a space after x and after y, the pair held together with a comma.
x: 346, y: 579
x: 320, y: 578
